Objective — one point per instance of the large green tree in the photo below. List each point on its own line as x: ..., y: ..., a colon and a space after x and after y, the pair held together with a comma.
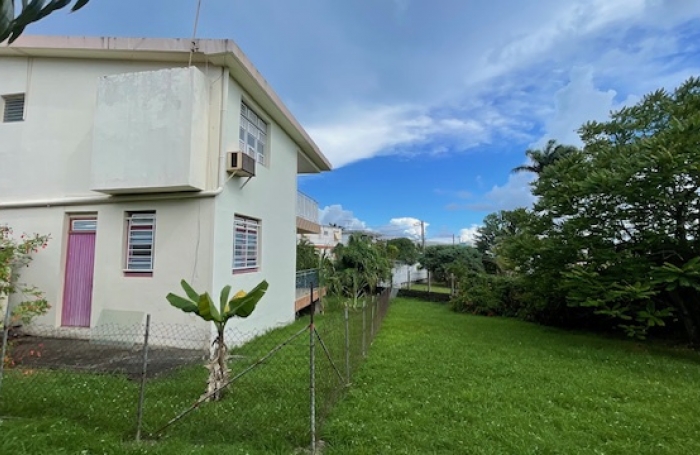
x: 617, y: 232
x: 495, y: 228
x: 444, y: 260
x: 12, y: 24
x: 406, y: 250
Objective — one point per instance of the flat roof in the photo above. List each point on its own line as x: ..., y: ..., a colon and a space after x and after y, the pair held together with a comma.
x: 219, y: 52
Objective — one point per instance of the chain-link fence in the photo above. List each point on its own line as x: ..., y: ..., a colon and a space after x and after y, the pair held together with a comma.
x: 149, y: 380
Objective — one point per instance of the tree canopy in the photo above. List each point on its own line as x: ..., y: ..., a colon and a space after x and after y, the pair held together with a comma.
x: 444, y: 260
x: 406, y: 250
x: 614, y: 236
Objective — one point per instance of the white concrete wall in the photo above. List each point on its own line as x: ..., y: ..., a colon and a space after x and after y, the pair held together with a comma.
x: 183, y: 242
x: 150, y: 131
x: 49, y: 154
x: 404, y: 273
x: 270, y: 196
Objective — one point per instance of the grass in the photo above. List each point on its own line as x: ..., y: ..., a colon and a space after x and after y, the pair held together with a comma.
x: 438, y: 289
x: 434, y: 382
x: 438, y: 382
x: 57, y: 412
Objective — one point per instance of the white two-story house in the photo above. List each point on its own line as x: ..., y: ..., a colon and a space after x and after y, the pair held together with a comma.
x: 149, y: 161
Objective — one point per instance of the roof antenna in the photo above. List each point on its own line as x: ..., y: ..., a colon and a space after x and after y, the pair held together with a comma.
x: 194, y: 49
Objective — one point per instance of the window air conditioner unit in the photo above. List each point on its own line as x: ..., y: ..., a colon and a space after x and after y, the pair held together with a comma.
x: 241, y: 163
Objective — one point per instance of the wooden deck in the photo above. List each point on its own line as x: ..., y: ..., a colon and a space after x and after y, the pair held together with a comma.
x: 303, y: 298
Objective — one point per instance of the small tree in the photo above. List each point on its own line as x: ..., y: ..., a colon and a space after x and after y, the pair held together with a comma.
x: 242, y: 305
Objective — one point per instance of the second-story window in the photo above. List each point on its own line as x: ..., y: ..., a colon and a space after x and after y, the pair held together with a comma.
x: 252, y: 135
x: 13, y: 108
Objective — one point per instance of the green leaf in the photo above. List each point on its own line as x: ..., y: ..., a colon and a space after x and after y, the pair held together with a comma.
x: 7, y: 14
x: 79, y: 4
x: 191, y: 293
x: 244, y: 306
x: 182, y: 303
x: 223, y: 299
x: 207, y: 309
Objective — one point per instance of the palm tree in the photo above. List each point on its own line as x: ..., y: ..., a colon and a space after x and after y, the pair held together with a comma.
x: 32, y: 10
x: 541, y: 159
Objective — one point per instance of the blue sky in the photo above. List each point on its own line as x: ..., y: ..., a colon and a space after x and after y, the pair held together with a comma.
x: 425, y: 106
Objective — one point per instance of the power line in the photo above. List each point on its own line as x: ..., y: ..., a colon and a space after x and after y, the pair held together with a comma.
x: 194, y: 31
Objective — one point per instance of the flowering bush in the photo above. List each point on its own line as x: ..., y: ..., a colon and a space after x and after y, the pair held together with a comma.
x: 14, y: 255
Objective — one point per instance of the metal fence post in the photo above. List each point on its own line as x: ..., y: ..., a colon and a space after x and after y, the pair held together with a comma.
x: 364, y: 328
x: 347, y: 344
x: 312, y: 372
x: 5, y: 332
x: 144, y: 372
x: 371, y: 332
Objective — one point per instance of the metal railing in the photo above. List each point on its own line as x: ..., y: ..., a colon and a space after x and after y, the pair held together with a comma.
x: 305, y: 278
x: 307, y: 208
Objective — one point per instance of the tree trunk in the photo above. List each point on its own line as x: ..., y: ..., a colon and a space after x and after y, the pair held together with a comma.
x: 218, y: 368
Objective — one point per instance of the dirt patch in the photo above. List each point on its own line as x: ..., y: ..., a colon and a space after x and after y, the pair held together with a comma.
x: 32, y: 352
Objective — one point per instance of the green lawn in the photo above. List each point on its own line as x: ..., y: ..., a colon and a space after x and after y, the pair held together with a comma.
x: 434, y: 382
x: 71, y: 413
x: 439, y: 382
x: 438, y: 289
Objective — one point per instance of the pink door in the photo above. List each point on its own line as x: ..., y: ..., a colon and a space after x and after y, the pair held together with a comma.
x: 80, y: 270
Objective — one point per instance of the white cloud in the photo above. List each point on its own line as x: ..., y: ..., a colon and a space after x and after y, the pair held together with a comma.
x: 513, y: 194
x: 575, y: 104
x: 464, y: 236
x: 336, y: 214
x: 404, y: 227
x: 361, y: 133
x: 468, y: 235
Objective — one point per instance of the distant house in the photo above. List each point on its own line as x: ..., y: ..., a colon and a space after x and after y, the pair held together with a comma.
x: 145, y: 171
x: 326, y: 239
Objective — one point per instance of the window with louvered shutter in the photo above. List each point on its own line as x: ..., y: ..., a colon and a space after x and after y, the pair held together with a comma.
x: 246, y: 243
x: 13, y: 108
x: 140, y: 241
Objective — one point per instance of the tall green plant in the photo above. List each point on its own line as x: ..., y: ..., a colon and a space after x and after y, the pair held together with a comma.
x: 241, y: 305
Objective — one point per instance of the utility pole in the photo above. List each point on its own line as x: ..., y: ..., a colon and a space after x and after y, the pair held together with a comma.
x: 422, y: 234
x: 453, y: 239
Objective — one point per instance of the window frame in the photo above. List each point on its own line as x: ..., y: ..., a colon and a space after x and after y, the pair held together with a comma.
x: 248, y: 119
x: 129, y: 226
x: 242, y: 224
x: 10, y: 98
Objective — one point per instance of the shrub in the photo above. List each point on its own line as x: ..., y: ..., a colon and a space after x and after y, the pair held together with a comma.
x: 14, y: 255
x: 489, y: 295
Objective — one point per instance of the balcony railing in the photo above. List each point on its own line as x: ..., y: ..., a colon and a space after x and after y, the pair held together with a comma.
x: 305, y: 278
x: 307, y: 208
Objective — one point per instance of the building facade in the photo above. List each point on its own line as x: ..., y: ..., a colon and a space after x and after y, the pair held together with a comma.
x: 128, y: 156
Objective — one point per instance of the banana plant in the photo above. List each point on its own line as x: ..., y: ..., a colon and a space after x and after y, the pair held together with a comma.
x: 32, y: 11
x: 241, y: 305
